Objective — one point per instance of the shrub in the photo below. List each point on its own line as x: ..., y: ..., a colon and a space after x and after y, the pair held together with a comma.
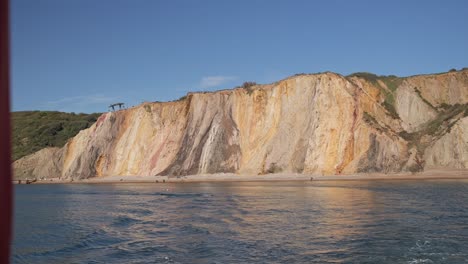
x: 444, y: 106
x: 274, y: 168
x: 365, y: 75
x: 248, y: 86
x: 391, y: 109
x: 34, y: 130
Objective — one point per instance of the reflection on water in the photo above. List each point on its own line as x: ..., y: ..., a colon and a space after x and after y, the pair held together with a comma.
x: 257, y: 222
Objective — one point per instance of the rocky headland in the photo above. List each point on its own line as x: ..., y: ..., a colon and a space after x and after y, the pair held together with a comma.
x: 308, y: 124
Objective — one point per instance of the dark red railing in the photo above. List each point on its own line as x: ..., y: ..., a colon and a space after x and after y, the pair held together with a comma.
x: 5, y: 135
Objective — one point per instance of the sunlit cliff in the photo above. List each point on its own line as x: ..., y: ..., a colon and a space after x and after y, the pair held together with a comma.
x: 318, y: 124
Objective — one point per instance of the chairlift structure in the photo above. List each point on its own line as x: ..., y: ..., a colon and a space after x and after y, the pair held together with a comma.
x: 120, y: 105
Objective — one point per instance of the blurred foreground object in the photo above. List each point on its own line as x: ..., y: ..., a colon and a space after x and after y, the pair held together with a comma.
x: 5, y: 135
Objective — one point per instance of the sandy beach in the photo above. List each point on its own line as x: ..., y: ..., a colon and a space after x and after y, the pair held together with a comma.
x: 229, y: 177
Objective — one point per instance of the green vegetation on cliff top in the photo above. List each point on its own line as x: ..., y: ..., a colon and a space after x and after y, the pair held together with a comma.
x: 35, y: 130
x: 391, y: 82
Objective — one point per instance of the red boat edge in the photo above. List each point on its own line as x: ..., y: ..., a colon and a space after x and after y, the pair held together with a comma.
x: 6, y: 205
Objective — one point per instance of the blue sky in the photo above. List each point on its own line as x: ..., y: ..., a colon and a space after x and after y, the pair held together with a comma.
x: 82, y: 55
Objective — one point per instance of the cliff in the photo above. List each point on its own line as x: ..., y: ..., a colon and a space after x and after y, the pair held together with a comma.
x: 321, y: 124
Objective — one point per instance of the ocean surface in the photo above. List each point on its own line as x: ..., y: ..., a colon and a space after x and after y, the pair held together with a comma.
x: 250, y: 222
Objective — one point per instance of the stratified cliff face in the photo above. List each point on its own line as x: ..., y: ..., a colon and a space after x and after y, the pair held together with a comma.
x: 315, y: 124
x: 451, y: 150
x: 44, y: 163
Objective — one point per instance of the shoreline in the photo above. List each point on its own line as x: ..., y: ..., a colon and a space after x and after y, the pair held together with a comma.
x: 230, y: 177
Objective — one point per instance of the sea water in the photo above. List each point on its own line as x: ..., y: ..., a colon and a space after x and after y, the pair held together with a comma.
x: 249, y: 222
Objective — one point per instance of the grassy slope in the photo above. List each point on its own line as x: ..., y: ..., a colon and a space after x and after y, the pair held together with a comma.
x: 34, y: 130
x: 447, y: 115
x: 392, y: 82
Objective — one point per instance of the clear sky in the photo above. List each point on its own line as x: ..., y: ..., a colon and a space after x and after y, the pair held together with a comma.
x: 82, y: 55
